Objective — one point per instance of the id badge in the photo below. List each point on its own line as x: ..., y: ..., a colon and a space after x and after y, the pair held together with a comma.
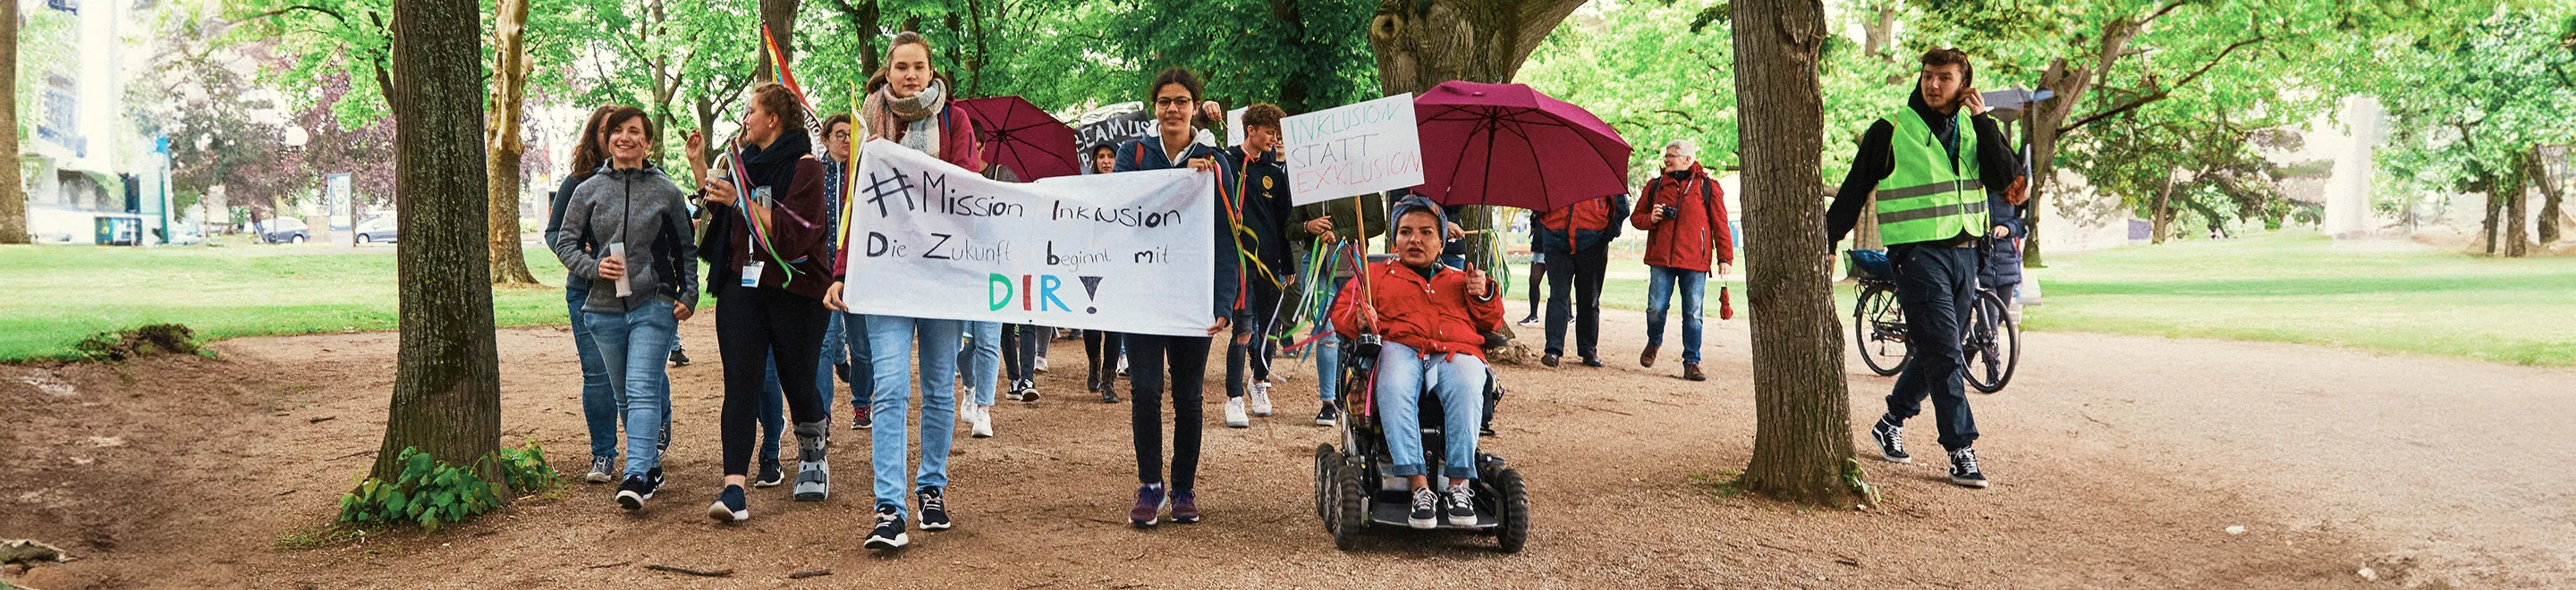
x: 751, y: 273
x: 760, y: 195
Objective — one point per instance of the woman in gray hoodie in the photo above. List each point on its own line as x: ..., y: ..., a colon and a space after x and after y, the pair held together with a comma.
x: 626, y: 231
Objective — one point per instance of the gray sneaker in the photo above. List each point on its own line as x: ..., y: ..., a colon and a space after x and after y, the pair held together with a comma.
x: 602, y: 469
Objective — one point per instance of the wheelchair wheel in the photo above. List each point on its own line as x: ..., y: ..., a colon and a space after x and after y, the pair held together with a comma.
x: 1511, y: 528
x: 1350, y: 507
x: 1325, y: 459
x: 1878, y: 326
x: 1993, y: 348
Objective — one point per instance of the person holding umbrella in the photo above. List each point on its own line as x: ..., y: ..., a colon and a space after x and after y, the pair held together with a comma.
x: 1929, y: 163
x: 1684, y: 215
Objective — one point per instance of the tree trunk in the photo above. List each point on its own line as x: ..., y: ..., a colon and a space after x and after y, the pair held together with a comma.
x: 2549, y: 191
x: 447, y: 388
x: 509, y: 93
x: 2516, y: 217
x: 2164, y: 210
x: 2495, y: 212
x: 13, y: 190
x: 1878, y: 30
x: 1419, y: 45
x: 780, y: 17
x: 1802, y: 414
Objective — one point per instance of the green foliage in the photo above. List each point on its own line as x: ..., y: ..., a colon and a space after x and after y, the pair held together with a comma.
x: 525, y: 468
x: 2468, y: 102
x: 428, y: 492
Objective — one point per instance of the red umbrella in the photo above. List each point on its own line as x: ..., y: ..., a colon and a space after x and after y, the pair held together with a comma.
x: 1505, y: 144
x: 1023, y: 137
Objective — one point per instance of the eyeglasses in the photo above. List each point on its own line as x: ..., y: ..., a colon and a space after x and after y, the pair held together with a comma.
x: 1172, y: 102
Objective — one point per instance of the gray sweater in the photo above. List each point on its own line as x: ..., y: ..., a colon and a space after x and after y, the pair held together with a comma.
x: 641, y: 208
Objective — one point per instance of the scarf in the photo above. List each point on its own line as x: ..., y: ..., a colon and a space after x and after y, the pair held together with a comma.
x: 913, y: 121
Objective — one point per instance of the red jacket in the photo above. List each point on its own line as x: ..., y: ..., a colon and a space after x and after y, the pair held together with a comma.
x: 1684, y: 242
x: 1432, y: 317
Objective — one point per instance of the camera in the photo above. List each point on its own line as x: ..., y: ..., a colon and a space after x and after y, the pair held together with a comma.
x: 1670, y: 212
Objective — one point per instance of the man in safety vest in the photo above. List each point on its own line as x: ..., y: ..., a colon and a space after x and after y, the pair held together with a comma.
x: 1930, y: 163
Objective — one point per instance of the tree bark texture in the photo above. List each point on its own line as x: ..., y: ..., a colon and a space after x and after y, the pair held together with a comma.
x: 509, y: 93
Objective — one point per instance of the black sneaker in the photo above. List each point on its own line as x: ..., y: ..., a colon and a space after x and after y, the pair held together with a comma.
x: 859, y: 419
x: 1108, y: 394
x: 934, y: 508
x: 1328, y: 416
x: 1530, y: 321
x: 770, y: 474
x: 1028, y: 390
x: 634, y: 491
x: 1592, y: 361
x: 678, y: 358
x: 1963, y: 468
x: 664, y: 444
x: 889, y: 533
x: 1426, y: 509
x: 1891, y: 441
x: 1461, y: 507
x: 730, y: 506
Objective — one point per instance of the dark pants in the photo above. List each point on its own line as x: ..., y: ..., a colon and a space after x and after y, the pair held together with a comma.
x: 1570, y: 277
x: 754, y: 326
x: 1262, y: 309
x: 1103, y: 348
x: 1021, y: 345
x: 1937, y: 286
x: 1537, y: 279
x: 1186, y: 357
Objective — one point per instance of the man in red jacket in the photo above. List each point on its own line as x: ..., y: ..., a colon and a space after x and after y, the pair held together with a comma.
x: 1431, y: 320
x: 1684, y: 215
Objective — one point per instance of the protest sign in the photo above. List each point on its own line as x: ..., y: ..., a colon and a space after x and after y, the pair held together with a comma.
x: 1123, y: 252
x: 1352, y: 149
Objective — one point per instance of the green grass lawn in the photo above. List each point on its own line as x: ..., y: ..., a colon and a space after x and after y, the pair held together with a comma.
x: 2284, y: 287
x: 2294, y: 286
x: 53, y: 296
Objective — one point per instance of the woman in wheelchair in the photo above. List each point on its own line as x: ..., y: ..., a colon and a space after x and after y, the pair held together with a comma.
x: 1432, y: 319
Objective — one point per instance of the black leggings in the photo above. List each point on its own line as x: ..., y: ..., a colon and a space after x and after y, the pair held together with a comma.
x: 1104, y: 349
x: 1255, y: 322
x: 1187, y: 358
x: 754, y: 326
x: 1538, y: 276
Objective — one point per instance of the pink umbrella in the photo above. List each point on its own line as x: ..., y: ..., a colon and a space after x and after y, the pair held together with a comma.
x: 1022, y: 137
x: 1505, y: 144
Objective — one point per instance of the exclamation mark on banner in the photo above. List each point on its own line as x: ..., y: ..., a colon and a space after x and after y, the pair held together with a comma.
x: 1091, y: 288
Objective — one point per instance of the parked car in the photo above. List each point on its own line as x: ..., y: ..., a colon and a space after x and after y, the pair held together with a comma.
x: 380, y: 229
x: 284, y: 230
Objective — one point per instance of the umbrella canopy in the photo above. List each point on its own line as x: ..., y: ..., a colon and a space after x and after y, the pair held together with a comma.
x: 1023, y: 137
x: 1505, y: 144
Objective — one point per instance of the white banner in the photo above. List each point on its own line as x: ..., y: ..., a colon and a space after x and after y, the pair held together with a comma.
x: 1352, y: 149
x: 1130, y: 252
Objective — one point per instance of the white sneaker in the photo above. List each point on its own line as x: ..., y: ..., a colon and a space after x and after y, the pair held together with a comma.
x: 1234, y: 414
x: 1041, y: 365
x: 983, y: 422
x: 1261, y: 399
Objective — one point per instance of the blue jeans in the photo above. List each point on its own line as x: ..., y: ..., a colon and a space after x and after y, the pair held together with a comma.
x: 1458, y: 380
x: 601, y: 403
x: 983, y: 362
x: 634, y: 345
x: 890, y: 344
x: 1660, y: 283
x: 854, y: 338
x: 1328, y: 352
x: 773, y: 402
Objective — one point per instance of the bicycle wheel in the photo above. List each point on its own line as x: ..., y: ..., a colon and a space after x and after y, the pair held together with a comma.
x: 1878, y: 326
x: 1993, y: 346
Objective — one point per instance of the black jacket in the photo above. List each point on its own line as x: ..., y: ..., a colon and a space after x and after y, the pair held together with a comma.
x: 1260, y: 188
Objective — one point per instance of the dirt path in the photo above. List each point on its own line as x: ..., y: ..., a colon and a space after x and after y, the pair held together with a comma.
x: 2119, y: 461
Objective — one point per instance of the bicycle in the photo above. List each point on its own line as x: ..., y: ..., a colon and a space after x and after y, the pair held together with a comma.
x: 1991, y: 345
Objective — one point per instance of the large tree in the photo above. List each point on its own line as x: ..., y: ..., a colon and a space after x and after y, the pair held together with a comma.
x: 1802, y: 446
x: 447, y: 389
x: 13, y: 193
x: 2472, y: 104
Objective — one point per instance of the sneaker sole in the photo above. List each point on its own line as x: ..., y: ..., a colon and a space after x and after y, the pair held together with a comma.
x: 1969, y: 483
x: 632, y: 501
x: 597, y: 477
x: 1894, y: 459
x: 937, y: 527
x: 1327, y: 423
x: 1179, y: 520
x: 983, y: 434
x: 1423, y: 524
x: 1245, y: 424
x: 1142, y: 523
x: 899, y: 540
x: 1471, y: 521
x: 719, y: 512
x: 769, y: 483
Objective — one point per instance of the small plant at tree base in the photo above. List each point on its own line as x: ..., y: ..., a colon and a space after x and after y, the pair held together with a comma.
x: 1852, y: 478
x: 525, y: 468
x: 428, y: 492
